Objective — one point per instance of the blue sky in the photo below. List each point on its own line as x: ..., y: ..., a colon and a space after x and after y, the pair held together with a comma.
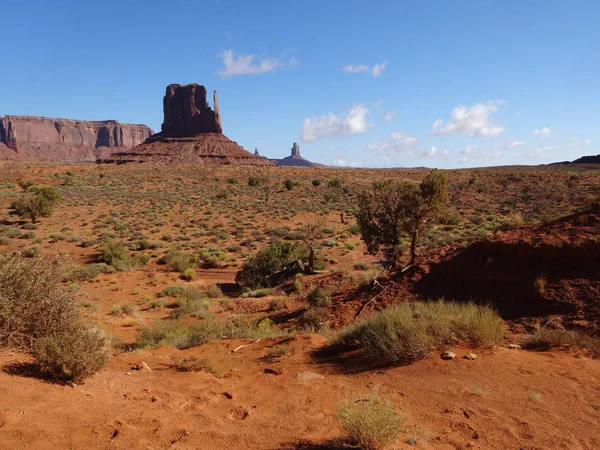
x: 355, y: 83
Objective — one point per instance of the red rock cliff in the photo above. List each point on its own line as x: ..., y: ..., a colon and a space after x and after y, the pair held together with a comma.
x: 64, y: 140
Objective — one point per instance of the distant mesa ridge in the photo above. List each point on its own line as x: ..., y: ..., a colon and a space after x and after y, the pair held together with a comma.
x: 44, y: 139
x: 191, y: 133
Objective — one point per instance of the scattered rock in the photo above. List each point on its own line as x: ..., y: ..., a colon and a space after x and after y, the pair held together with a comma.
x: 514, y: 346
x: 308, y: 377
x: 470, y: 356
x: 228, y: 395
x: 146, y: 366
x: 274, y: 370
x: 448, y: 355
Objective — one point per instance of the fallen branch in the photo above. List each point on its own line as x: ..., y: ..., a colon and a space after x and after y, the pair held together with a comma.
x: 245, y: 345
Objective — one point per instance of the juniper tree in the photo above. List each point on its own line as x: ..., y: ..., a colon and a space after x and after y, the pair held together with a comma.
x: 393, y: 210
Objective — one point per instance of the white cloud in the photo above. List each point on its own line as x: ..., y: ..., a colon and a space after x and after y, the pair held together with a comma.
x: 544, y: 131
x: 514, y: 144
x: 469, y: 149
x: 394, y: 144
x: 246, y: 65
x: 434, y: 151
x: 473, y: 121
x: 580, y: 144
x: 354, y: 121
x: 344, y: 163
x: 542, y: 152
x: 388, y: 116
x: 355, y: 69
x: 378, y: 103
x: 376, y: 70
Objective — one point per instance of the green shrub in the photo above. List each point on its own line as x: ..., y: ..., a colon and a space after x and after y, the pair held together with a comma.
x: 253, y: 181
x: 289, y: 185
x: 214, y: 291
x: 179, y: 261
x: 188, y: 274
x: 89, y: 272
x: 30, y: 252
x: 372, y: 423
x: 408, y: 332
x: 112, y: 252
x: 320, y: 297
x: 315, y: 318
x: 546, y: 338
x: 316, y: 183
x: 39, y: 314
x: 72, y: 355
x: 258, y: 269
x: 33, y: 301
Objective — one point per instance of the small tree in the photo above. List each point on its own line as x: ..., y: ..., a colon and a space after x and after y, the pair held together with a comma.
x: 39, y: 204
x: 392, y: 210
x: 310, y: 234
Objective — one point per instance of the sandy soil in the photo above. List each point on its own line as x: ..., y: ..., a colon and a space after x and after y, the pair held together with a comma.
x: 508, y: 399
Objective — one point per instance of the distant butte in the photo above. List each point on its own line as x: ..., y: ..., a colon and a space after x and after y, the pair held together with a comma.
x: 295, y: 160
x: 191, y: 133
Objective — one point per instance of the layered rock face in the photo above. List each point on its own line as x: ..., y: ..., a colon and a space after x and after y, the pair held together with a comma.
x: 43, y: 139
x: 191, y: 134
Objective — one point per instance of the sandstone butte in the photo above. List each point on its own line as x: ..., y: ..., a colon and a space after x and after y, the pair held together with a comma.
x: 294, y: 160
x: 28, y: 138
x: 191, y: 133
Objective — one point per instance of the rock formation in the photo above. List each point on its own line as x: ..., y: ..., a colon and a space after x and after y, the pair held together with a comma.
x: 191, y: 134
x: 295, y: 160
x: 187, y: 112
x: 26, y: 138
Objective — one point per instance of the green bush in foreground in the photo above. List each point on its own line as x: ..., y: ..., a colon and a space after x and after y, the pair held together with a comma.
x: 40, y: 315
x: 72, y: 355
x: 409, y: 331
x: 372, y: 422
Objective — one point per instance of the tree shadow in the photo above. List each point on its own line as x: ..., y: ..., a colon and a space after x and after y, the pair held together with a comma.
x: 329, y: 444
x: 32, y: 370
x: 347, y: 360
x: 230, y: 289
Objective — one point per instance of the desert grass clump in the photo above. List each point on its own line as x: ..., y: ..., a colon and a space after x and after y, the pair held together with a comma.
x: 183, y: 335
x: 320, y: 297
x: 546, y: 338
x: 372, y: 423
x: 180, y: 334
x: 194, y: 364
x: 409, y: 331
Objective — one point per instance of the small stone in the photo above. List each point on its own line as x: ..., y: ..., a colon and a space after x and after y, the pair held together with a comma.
x: 127, y: 373
x: 308, y: 377
x: 146, y: 366
x: 470, y: 356
x: 448, y: 355
x: 274, y: 370
x: 514, y: 346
